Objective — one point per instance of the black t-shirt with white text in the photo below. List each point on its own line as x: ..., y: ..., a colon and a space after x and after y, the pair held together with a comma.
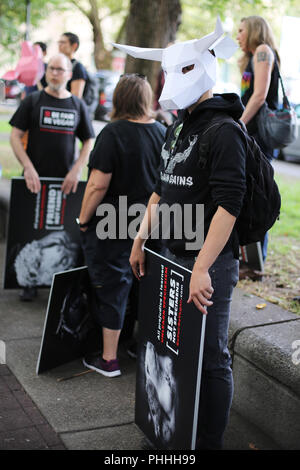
x: 53, y: 124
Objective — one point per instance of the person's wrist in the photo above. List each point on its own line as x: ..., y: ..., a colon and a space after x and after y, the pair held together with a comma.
x: 139, y: 241
x: 27, y: 167
x: 200, y: 267
x: 77, y: 167
x: 82, y: 224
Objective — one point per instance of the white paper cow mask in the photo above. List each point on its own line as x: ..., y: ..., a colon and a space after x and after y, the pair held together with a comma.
x: 190, y: 69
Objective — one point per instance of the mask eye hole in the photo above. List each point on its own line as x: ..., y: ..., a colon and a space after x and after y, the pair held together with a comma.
x: 188, y: 68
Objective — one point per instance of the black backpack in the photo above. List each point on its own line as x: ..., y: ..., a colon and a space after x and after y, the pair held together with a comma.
x: 91, y: 89
x: 262, y: 201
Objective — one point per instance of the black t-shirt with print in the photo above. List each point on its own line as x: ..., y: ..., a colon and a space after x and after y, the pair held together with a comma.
x: 131, y: 152
x: 53, y: 123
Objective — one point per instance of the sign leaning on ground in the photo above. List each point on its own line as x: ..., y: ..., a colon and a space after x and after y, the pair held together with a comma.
x: 69, y: 329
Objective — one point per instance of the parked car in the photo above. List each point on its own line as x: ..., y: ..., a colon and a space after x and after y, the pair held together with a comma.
x: 292, y: 152
x: 108, y: 80
x: 13, y: 89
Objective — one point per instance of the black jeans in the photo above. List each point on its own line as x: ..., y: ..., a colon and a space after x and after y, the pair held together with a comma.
x: 216, y: 382
x: 111, y: 277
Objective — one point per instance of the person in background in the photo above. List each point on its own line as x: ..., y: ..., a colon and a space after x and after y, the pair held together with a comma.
x: 259, y: 66
x: 68, y: 44
x: 123, y: 162
x: 42, y: 82
x: 53, y: 119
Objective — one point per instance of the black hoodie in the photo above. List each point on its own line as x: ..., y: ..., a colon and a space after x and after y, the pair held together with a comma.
x: 219, y: 182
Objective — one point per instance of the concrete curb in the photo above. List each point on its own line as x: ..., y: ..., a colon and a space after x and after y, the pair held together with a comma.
x: 265, y: 349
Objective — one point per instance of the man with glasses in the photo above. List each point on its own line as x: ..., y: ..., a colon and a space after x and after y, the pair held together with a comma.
x: 53, y: 118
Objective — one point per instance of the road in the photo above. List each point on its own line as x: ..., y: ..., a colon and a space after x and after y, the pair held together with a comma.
x: 287, y: 168
x: 98, y: 126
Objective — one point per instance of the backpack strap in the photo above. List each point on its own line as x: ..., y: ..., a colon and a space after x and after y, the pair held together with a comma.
x: 207, y: 135
x: 35, y: 98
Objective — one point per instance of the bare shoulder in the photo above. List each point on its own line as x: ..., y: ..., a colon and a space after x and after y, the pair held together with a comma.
x: 264, y: 53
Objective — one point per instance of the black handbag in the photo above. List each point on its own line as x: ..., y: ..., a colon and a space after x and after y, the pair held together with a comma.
x: 277, y: 128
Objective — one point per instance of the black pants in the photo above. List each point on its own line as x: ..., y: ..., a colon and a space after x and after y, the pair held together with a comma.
x: 111, y: 277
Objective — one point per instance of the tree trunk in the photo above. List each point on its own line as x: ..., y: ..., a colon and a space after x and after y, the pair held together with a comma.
x: 151, y: 24
x: 101, y: 55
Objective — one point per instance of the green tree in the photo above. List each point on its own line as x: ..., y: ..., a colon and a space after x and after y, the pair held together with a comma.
x: 96, y: 12
x: 13, y: 18
x: 199, y: 19
x: 151, y: 24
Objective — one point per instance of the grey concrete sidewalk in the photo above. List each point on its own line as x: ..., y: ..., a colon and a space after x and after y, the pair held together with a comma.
x: 22, y: 426
x: 87, y: 412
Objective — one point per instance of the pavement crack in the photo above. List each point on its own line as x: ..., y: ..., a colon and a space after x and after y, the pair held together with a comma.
x: 95, y: 428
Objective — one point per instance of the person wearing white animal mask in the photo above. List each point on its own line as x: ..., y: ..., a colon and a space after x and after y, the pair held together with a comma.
x: 215, y: 179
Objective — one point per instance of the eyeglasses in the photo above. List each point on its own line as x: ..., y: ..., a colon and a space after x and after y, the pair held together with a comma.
x: 140, y: 75
x: 58, y: 70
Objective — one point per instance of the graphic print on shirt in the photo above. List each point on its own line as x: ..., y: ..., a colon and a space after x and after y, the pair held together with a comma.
x: 170, y: 163
x: 58, y: 120
x: 246, y: 80
x: 179, y: 157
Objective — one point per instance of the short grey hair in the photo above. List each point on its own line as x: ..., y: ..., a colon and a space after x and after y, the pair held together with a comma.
x: 64, y: 58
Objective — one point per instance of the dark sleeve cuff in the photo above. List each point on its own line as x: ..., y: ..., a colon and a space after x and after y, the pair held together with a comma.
x: 157, y: 187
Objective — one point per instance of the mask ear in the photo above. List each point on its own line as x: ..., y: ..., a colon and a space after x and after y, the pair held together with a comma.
x: 206, y: 42
x: 141, y: 52
x: 225, y: 48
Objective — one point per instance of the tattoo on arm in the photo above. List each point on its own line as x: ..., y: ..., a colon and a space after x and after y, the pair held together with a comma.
x: 264, y: 57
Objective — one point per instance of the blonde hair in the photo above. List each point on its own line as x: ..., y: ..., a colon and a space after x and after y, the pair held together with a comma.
x: 132, y: 98
x: 258, y: 32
